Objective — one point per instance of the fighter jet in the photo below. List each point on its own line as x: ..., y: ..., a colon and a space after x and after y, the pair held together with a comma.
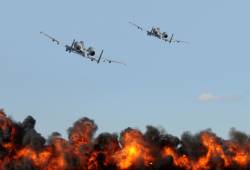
x: 156, y: 32
x: 79, y: 48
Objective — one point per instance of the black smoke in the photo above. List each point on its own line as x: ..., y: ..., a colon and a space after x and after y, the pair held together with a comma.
x: 95, y: 152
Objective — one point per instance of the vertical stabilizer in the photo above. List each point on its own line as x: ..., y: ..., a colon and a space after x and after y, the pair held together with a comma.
x: 171, y: 39
x: 71, y: 47
x: 99, y: 59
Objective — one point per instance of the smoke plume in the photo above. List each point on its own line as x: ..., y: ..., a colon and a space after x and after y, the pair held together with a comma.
x: 23, y: 148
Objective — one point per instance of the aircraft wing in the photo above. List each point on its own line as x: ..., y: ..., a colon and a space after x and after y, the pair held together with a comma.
x: 113, y: 61
x: 178, y: 41
x: 172, y: 40
x: 101, y: 59
x: 105, y: 60
x: 175, y: 41
x: 50, y: 37
x: 137, y: 26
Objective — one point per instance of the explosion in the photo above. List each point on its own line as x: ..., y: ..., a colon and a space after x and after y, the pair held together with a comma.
x: 23, y: 148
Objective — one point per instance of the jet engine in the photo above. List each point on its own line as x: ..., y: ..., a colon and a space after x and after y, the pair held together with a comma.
x: 164, y: 35
x: 91, y: 51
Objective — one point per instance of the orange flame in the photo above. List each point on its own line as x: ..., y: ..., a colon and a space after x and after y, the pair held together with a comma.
x: 134, y: 150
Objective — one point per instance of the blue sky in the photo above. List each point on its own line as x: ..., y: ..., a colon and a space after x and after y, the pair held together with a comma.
x: 179, y: 87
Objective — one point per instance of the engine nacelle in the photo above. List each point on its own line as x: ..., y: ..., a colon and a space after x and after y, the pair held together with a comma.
x: 91, y: 51
x: 164, y: 35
